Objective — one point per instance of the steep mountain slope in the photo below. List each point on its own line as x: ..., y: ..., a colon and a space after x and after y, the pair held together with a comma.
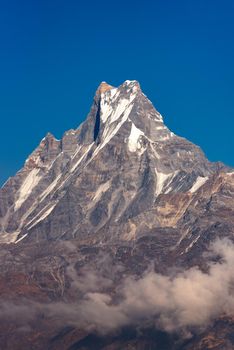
x: 94, y: 210
x: 106, y: 176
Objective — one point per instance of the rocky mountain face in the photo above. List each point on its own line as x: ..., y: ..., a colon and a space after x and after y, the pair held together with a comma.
x: 119, y: 205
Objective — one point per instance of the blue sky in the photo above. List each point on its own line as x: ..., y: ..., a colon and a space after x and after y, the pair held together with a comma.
x: 54, y: 54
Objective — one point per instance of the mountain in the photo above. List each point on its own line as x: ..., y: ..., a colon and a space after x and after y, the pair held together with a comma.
x: 119, y: 205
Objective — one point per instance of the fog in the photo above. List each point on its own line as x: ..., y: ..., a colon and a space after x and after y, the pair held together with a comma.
x: 174, y: 303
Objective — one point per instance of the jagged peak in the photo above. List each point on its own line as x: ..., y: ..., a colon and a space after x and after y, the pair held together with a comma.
x: 48, y: 138
x: 113, y: 107
x: 46, y: 150
x: 103, y: 87
x: 132, y: 83
x: 50, y: 135
x: 125, y: 121
x: 129, y: 84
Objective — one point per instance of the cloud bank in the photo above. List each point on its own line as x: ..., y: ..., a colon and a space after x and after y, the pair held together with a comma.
x: 189, y: 299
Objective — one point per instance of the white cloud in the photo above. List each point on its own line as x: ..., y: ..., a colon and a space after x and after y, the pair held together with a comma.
x: 191, y: 298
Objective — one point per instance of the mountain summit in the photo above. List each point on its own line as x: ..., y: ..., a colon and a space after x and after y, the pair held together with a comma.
x: 118, y: 236
x: 108, y: 179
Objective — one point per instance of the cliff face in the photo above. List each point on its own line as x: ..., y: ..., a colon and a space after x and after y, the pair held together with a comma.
x: 117, y: 195
x: 119, y: 175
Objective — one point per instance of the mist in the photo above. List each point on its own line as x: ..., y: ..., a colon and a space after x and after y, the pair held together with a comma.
x: 173, y: 302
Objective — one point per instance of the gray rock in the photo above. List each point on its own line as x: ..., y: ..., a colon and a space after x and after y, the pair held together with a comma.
x: 117, y: 195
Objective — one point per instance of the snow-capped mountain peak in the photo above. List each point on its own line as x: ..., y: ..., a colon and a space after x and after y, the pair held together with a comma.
x: 112, y: 168
x: 117, y: 211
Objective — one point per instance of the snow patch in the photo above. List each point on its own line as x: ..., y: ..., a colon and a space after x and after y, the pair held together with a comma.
x: 119, y: 110
x: 164, y: 137
x: 191, y: 245
x: 169, y: 188
x: 113, y: 93
x: 8, y: 238
x: 198, y: 183
x: 81, y: 158
x: 20, y: 239
x: 110, y: 114
x: 43, y: 216
x: 76, y: 152
x: 102, y: 189
x: 161, y: 180
x: 111, y: 130
x: 157, y: 155
x: 29, y: 183
x: 105, y: 108
x: 50, y: 188
x: 133, y: 140
x: 160, y: 117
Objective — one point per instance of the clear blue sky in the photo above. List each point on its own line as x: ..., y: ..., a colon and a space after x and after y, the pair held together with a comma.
x: 54, y: 54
